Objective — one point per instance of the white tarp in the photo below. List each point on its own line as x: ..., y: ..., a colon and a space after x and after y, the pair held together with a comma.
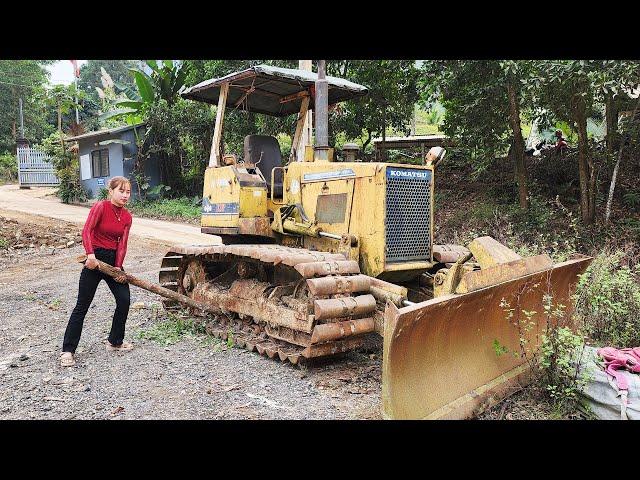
x: 601, y: 395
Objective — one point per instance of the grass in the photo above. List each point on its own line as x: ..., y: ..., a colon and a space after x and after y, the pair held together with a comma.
x: 174, y: 329
x: 55, y: 304
x: 426, y: 122
x: 185, y: 207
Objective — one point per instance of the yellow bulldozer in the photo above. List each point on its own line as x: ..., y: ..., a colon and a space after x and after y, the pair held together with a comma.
x: 319, y: 254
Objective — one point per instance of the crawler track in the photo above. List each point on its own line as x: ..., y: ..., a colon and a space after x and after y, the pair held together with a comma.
x: 286, y: 303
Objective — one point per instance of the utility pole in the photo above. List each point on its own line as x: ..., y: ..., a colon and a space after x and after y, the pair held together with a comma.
x: 21, y: 119
x: 383, y: 147
x: 76, y: 98
x: 307, y: 129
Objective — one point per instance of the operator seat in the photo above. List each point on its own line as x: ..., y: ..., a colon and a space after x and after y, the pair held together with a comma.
x: 264, y: 152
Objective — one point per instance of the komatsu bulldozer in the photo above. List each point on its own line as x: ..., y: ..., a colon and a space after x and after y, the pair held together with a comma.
x: 317, y: 255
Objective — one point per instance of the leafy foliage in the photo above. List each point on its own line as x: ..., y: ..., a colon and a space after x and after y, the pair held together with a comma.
x: 608, y: 301
x: 67, y: 166
x: 91, y: 74
x: 393, y: 92
x: 183, y: 207
x: 555, y: 364
x: 8, y: 167
x: 103, y: 194
x: 24, y: 79
x: 179, y: 136
x: 474, y: 96
x: 172, y: 329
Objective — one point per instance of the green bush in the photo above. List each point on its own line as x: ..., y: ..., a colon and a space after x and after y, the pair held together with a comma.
x: 560, y: 355
x: 554, y: 366
x: 103, y: 194
x: 171, y: 330
x: 67, y: 167
x: 607, y: 301
x: 184, y: 207
x: 8, y: 167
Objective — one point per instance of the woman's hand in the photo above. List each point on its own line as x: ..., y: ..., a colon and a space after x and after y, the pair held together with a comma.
x: 120, y: 278
x: 91, y: 262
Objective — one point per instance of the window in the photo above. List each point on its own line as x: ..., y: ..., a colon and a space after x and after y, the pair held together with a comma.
x: 100, y: 163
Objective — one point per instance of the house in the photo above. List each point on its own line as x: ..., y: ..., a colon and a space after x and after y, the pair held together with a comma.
x: 109, y: 153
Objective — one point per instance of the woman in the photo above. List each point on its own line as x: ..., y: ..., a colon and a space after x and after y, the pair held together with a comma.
x: 104, y: 237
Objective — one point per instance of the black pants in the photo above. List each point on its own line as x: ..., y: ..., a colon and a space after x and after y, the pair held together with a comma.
x: 89, y: 280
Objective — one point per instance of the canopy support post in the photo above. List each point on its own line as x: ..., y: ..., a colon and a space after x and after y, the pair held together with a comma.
x: 214, y: 157
x: 297, y: 142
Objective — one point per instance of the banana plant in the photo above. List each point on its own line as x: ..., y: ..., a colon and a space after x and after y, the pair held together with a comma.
x: 164, y: 83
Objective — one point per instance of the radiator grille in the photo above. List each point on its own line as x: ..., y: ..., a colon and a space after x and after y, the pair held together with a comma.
x: 408, y: 215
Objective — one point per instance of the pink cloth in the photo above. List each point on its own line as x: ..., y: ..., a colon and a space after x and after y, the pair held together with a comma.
x: 620, y: 359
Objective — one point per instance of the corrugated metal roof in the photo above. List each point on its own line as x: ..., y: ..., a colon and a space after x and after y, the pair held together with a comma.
x: 108, y: 131
x: 263, y: 88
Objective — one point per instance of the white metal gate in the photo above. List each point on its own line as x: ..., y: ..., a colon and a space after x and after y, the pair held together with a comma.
x: 35, y: 168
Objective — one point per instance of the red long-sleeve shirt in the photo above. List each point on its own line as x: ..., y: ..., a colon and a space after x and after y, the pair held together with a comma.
x: 107, y: 226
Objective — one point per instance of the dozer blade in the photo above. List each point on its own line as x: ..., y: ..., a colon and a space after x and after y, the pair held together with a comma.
x: 439, y: 358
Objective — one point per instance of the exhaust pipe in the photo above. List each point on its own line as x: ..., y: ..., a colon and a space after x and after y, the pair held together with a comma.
x: 321, y: 115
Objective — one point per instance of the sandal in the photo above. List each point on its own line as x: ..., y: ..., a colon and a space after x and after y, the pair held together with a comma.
x: 67, y: 360
x: 124, y: 347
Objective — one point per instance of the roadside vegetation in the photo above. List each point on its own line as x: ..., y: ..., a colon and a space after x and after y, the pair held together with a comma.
x: 183, y: 208
x: 8, y: 169
x: 607, y: 298
x: 173, y: 327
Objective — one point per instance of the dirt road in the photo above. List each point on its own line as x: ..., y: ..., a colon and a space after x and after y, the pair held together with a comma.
x: 193, y: 378
x: 40, y: 201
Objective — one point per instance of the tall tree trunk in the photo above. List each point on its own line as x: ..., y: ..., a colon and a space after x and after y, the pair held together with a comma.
x: 60, y: 127
x: 614, y: 177
x: 584, y: 170
x: 518, y: 146
x: 611, y: 118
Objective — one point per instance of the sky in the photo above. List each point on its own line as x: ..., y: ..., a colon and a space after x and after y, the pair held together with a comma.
x: 62, y: 72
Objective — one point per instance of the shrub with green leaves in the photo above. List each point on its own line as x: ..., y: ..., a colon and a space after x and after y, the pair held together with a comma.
x: 185, y: 207
x: 8, y: 167
x: 560, y: 354
x: 554, y: 363
x: 172, y: 330
x: 67, y: 167
x: 103, y: 194
x: 608, y: 301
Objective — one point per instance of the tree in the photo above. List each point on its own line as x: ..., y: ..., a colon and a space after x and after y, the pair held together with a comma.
x: 623, y: 77
x: 91, y: 73
x: 22, y: 79
x: 64, y: 98
x: 393, y: 92
x: 164, y: 83
x: 572, y: 91
x: 483, y: 100
x: 176, y: 130
x: 393, y: 82
x: 238, y: 123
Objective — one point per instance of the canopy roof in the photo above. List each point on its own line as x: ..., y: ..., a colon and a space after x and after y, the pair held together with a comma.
x: 271, y: 90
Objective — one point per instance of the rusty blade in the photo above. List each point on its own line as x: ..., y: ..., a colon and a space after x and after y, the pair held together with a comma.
x: 439, y: 359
